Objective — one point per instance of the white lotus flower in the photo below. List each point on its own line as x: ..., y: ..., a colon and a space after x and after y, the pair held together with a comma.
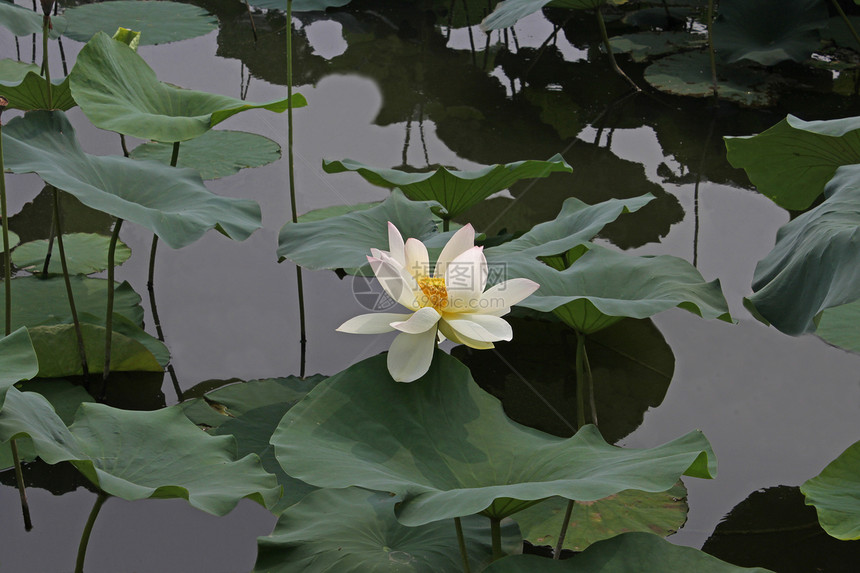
x: 449, y: 303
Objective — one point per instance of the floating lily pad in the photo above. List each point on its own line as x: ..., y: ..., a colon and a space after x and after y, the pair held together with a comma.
x: 118, y: 91
x: 813, y: 265
x: 835, y: 493
x: 768, y: 31
x: 625, y: 553
x: 239, y: 399
x: 216, y: 153
x: 448, y: 448
x: 792, y: 161
x: 23, y: 21
x: 157, y: 454
x: 44, y: 301
x: 645, y: 46
x: 172, y: 203
x: 456, y: 191
x: 660, y: 513
x: 355, y: 530
x: 21, y: 84
x: 345, y: 241
x: 689, y: 74
x: 157, y: 22
x: 86, y: 253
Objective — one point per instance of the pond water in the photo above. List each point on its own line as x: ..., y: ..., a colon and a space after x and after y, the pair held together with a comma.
x: 388, y: 85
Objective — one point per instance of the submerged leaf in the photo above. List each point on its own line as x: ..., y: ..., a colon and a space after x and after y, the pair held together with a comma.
x: 157, y: 22
x: 835, y: 493
x: 449, y: 449
x: 173, y: 203
x: 118, y: 91
x: 355, y: 530
x: 158, y: 454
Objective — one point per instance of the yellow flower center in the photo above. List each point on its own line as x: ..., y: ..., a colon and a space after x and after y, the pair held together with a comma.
x: 435, y: 292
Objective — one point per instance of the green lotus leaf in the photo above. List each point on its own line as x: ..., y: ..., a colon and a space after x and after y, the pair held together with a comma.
x: 86, y: 253
x: 456, y: 191
x: 216, y: 153
x: 607, y: 282
x: 813, y: 265
x: 18, y: 359
x: 839, y: 326
x: 791, y: 162
x: 172, y: 203
x: 576, y: 223
x: 118, y: 91
x: 639, y: 552
x: 64, y: 396
x: 335, y: 210
x: 157, y: 22
x: 507, y: 13
x: 768, y: 31
x: 299, y: 5
x: 23, y: 21
x: 689, y: 74
x: 158, y: 454
x: 13, y: 238
x: 662, y: 513
x: 44, y: 301
x: 835, y: 493
x: 345, y: 241
x: 253, y: 431
x: 21, y: 84
x: 355, y: 530
x: 449, y: 449
x: 57, y: 348
x: 239, y: 399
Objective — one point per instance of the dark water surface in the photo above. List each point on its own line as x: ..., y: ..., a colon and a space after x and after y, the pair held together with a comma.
x: 385, y: 88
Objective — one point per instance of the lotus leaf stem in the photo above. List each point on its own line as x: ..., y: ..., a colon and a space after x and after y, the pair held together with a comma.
x: 110, y: 296
x: 496, y: 533
x: 461, y: 541
x: 580, y: 380
x: 303, y: 339
x: 77, y: 323
x: 46, y: 25
x: 610, y: 53
x: 563, y: 533
x: 88, y: 529
x: 711, y: 51
x: 7, y: 282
